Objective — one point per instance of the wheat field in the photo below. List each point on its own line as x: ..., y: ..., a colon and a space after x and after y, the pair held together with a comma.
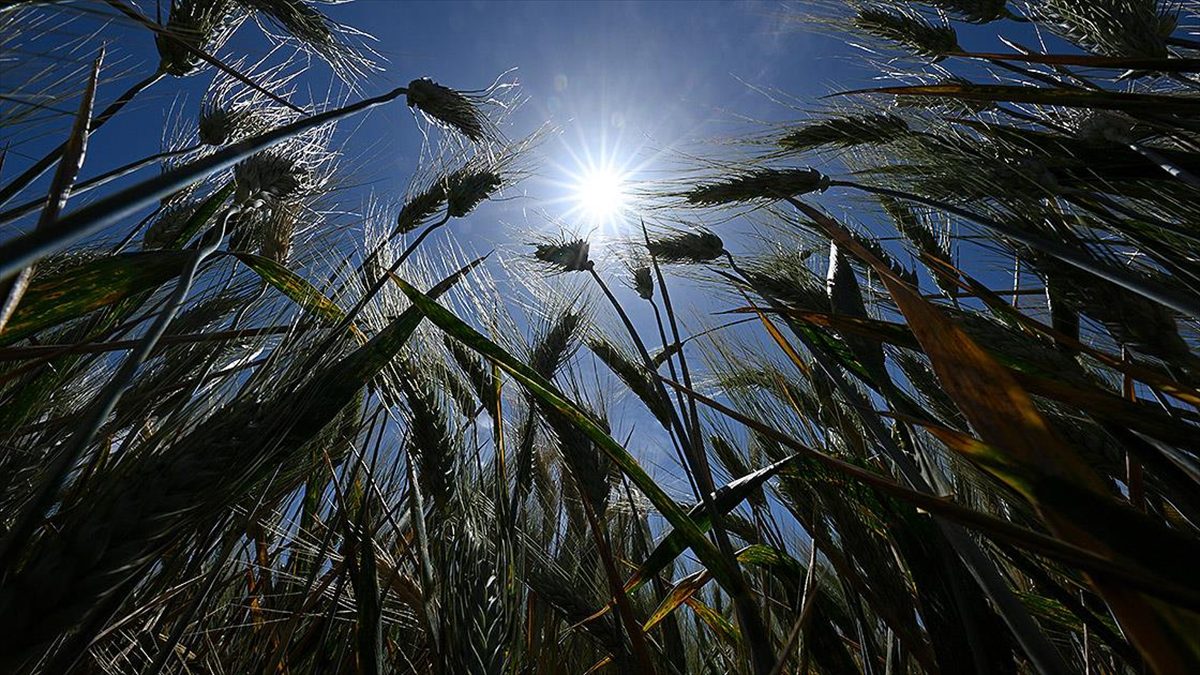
x: 944, y: 417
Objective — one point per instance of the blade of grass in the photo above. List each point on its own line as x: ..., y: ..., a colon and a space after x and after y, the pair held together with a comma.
x: 671, y: 546
x: 1001, y: 530
x: 1030, y: 457
x: 98, y: 283
x: 1158, y: 65
x: 292, y: 285
x: 727, y: 498
x: 1068, y: 98
x: 27, y: 352
x: 82, y: 222
x: 74, y: 152
x: 550, y: 396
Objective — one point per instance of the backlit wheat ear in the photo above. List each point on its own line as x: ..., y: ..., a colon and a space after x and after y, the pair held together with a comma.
x: 231, y: 111
x: 565, y: 255
x: 844, y: 132
x: 916, y: 228
x: 1131, y: 28
x: 169, y: 224
x: 269, y: 187
x: 908, y: 30
x: 699, y: 246
x: 278, y: 232
x: 460, y: 191
x: 207, y: 24
x: 588, y: 466
x: 433, y: 439
x: 760, y: 184
x: 785, y: 276
x: 304, y: 24
x: 218, y: 126
x: 467, y: 189
x: 643, y: 283
x: 557, y: 344
x: 294, y: 171
x: 478, y: 375
x: 633, y: 375
x: 268, y: 178
x: 420, y: 207
x: 200, y: 24
x: 448, y: 107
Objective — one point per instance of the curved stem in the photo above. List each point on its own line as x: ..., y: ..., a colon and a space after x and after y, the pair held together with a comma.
x: 761, y: 652
x: 1156, y: 292
x: 19, y: 252
x: 648, y: 363
x: 95, y: 182
x: 102, y: 406
x: 42, y: 165
x: 332, y: 336
x: 386, y: 276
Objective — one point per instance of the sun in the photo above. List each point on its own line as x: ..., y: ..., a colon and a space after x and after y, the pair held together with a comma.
x: 598, y: 188
x: 600, y: 194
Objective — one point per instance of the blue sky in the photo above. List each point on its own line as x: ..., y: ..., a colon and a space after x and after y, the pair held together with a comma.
x: 622, y: 83
x: 633, y: 84
x: 606, y: 68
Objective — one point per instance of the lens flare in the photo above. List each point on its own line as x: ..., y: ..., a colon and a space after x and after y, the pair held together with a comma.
x: 600, y: 194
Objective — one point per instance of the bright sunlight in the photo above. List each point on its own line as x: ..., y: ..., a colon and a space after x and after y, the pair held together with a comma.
x: 600, y: 194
